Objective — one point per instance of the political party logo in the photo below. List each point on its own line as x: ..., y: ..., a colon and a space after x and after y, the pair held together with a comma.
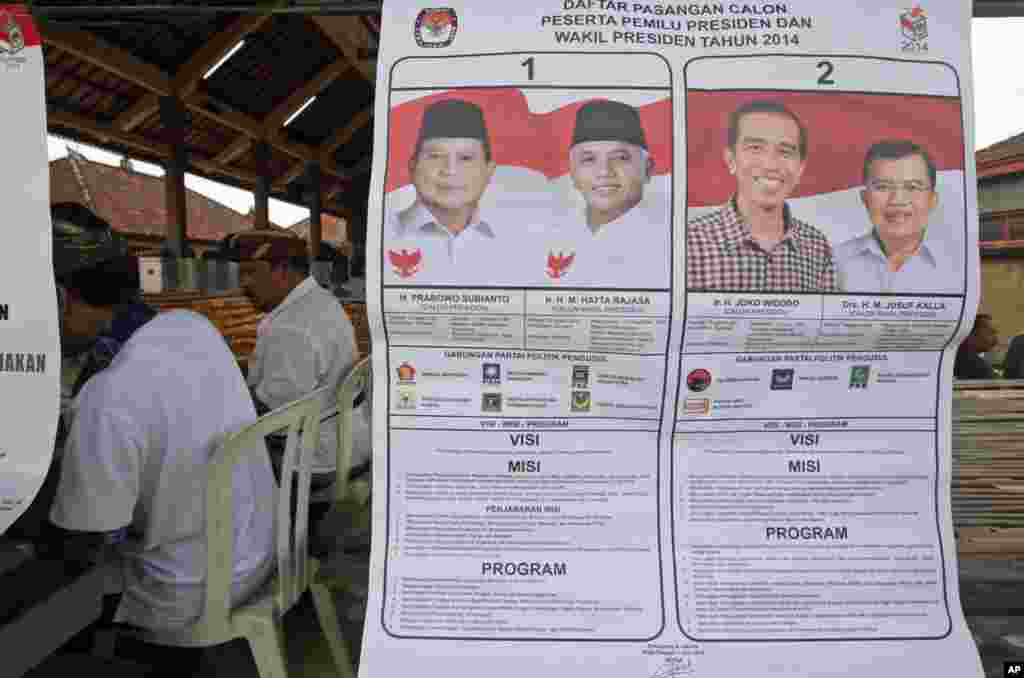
x: 696, y: 407
x: 406, y: 374
x: 698, y: 380
x: 581, y: 401
x: 492, y: 373
x: 580, y: 376
x: 436, y: 27
x: 782, y: 379
x: 491, y: 402
x: 558, y: 264
x: 859, y: 376
x: 405, y: 264
x: 914, y: 25
x: 406, y: 399
x: 12, y: 39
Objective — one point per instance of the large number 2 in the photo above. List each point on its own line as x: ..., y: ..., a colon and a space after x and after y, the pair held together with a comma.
x: 826, y: 75
x: 529, y: 68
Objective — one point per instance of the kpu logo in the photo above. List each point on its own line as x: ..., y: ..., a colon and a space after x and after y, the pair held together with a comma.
x: 580, y: 376
x: 12, y: 39
x: 914, y: 25
x: 436, y: 27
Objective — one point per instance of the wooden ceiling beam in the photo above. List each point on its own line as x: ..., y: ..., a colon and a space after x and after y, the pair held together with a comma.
x: 293, y: 173
x: 349, y: 35
x: 107, y: 133
x: 191, y: 73
x: 239, y: 146
x: 142, y: 145
x: 146, y: 106
x: 345, y: 134
x: 294, y: 102
x: 92, y: 49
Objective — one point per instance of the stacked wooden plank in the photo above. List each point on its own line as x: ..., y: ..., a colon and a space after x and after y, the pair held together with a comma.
x: 233, y: 314
x: 988, y: 468
x: 236, y: 317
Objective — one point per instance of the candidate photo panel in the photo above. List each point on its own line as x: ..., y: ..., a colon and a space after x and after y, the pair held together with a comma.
x: 517, y: 187
x: 827, y: 191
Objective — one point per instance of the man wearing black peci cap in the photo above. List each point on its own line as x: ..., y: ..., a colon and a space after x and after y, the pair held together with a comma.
x: 445, y: 236
x: 609, y: 160
x: 451, y: 167
x: 620, y: 238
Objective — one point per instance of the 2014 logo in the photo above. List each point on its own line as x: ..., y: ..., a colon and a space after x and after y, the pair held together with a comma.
x: 914, y: 26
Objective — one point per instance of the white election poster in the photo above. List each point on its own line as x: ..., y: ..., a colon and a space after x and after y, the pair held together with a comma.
x: 29, y: 340
x: 664, y: 301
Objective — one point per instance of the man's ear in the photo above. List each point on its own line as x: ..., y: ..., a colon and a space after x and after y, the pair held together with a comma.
x: 933, y: 200
x: 491, y: 166
x: 730, y: 159
x: 650, y: 169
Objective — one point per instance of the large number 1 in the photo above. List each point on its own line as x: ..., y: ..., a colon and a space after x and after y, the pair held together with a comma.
x: 529, y: 68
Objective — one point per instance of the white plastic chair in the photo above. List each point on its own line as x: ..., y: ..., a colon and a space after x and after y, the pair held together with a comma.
x: 259, y: 619
x: 347, y: 495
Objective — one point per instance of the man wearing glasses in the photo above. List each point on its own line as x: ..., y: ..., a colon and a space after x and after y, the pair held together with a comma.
x: 900, y: 253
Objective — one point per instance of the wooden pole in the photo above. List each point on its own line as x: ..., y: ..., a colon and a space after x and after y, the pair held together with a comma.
x: 172, y: 115
x: 261, y: 216
x: 315, y: 208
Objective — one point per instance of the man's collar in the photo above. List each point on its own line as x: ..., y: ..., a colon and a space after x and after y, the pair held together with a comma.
x: 300, y: 290
x: 737, y: 229
x: 418, y: 220
x: 872, y: 242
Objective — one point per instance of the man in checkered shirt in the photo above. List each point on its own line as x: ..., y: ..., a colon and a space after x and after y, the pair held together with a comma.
x: 753, y: 243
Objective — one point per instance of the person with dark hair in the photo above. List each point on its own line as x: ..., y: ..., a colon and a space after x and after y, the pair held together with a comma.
x: 1013, y: 363
x: 143, y: 427
x: 98, y: 293
x: 753, y: 242
x: 451, y: 167
x: 305, y: 342
x: 900, y: 253
x: 982, y: 339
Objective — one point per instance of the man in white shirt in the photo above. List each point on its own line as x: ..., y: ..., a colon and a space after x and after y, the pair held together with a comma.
x: 620, y: 240
x: 305, y: 342
x: 135, y: 461
x: 900, y: 253
x: 443, y: 237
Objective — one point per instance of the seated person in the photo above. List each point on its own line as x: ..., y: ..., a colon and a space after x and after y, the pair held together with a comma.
x: 135, y: 461
x: 305, y: 342
x: 1013, y: 365
x: 983, y: 338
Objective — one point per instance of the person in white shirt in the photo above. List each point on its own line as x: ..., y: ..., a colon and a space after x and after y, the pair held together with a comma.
x: 620, y: 239
x: 305, y: 342
x: 135, y: 461
x: 900, y: 253
x: 443, y: 236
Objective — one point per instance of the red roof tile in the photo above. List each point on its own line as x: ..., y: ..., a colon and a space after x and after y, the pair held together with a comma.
x: 332, y: 229
x: 133, y: 202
